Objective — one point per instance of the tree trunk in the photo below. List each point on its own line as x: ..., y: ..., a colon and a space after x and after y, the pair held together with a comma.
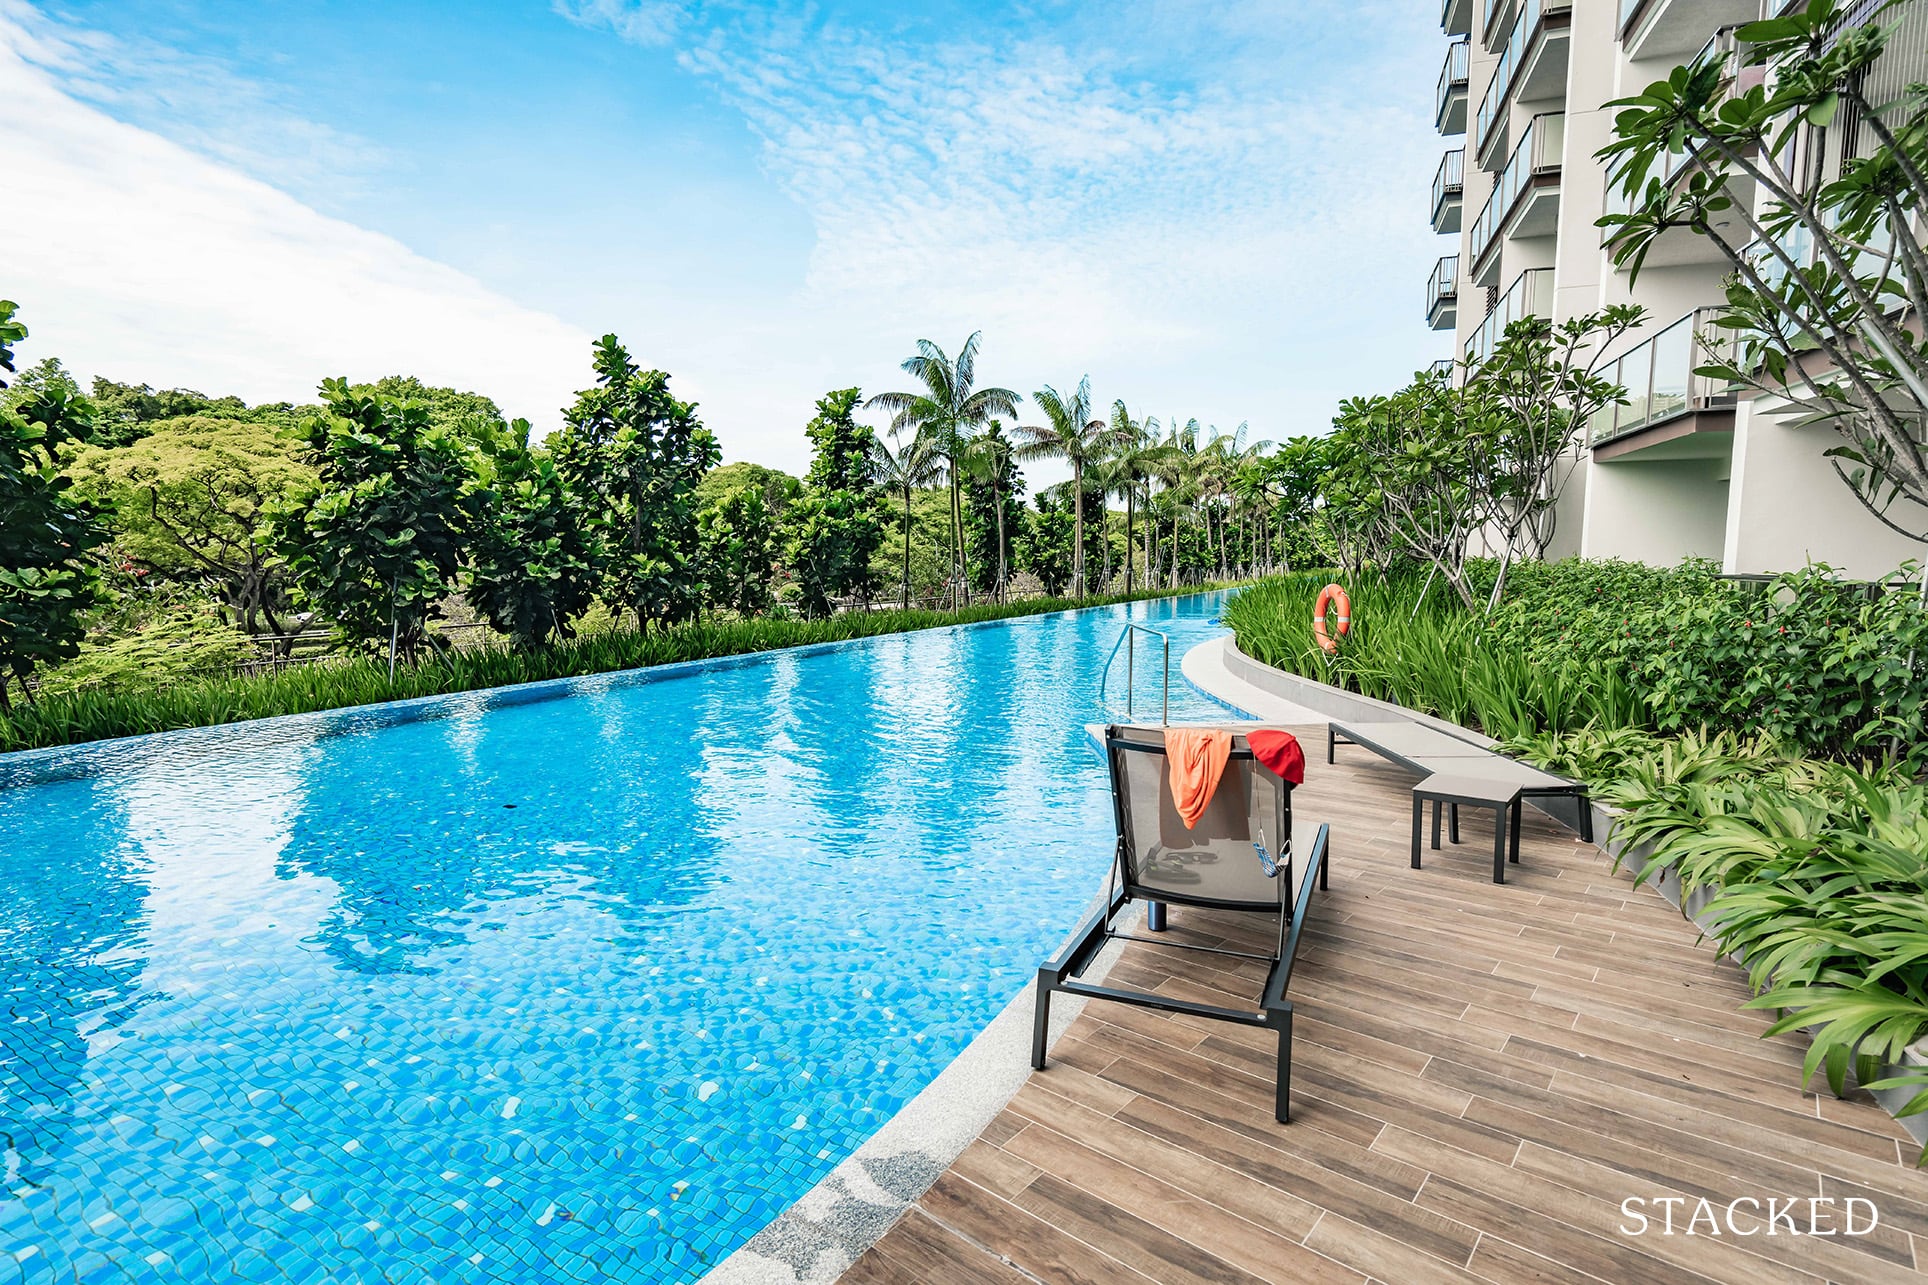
x: 906, y: 546
x: 1130, y: 496
x: 1077, y: 528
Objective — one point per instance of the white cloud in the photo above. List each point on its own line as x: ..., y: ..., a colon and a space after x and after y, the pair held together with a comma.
x: 134, y: 257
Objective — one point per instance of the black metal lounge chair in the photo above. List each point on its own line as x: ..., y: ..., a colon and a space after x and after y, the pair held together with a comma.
x: 1212, y: 865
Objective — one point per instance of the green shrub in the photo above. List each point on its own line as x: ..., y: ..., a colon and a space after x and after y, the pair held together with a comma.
x: 1821, y: 666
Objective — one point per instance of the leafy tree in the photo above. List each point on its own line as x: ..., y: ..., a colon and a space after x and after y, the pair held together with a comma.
x: 739, y: 546
x: 994, y: 508
x: 837, y: 524
x: 377, y: 541
x: 532, y: 573
x: 450, y: 410
x: 194, y: 497
x: 949, y: 411
x: 46, y: 580
x: 128, y: 412
x: 912, y: 465
x: 720, y: 483
x: 1071, y: 433
x: 1046, y: 550
x: 45, y: 375
x: 1293, y: 477
x: 635, y: 455
x: 1830, y: 280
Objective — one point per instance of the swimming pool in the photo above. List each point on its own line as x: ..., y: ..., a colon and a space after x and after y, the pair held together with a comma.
x: 587, y: 988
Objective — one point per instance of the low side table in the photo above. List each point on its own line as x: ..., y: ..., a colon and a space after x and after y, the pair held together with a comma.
x: 1446, y: 791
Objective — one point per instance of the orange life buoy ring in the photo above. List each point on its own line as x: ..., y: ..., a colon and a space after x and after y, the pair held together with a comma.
x: 1328, y: 596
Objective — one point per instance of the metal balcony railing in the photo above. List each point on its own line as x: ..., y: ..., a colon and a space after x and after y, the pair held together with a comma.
x: 1449, y: 183
x: 1538, y: 154
x: 1491, y: 117
x: 1660, y: 380
x: 1530, y: 295
x: 1452, y: 80
x: 1442, y: 284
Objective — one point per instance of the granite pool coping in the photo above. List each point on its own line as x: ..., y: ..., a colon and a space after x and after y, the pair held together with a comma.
x: 93, y: 758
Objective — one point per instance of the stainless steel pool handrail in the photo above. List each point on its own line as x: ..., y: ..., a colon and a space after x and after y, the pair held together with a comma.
x: 1131, y: 668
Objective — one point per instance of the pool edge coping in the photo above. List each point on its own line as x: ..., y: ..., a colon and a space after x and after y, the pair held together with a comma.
x: 84, y: 759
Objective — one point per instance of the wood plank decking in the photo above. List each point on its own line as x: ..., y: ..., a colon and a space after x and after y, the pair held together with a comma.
x: 1482, y: 1075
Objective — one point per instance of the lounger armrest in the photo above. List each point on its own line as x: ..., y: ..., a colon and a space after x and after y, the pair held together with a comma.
x: 1275, y: 986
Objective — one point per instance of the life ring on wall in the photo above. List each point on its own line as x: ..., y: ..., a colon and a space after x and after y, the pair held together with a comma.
x: 1329, y: 596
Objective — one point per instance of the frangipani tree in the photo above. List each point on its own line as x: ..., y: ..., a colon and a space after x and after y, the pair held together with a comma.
x: 1830, y: 279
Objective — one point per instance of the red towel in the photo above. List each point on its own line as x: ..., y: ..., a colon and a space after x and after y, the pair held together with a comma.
x: 1195, y: 758
x: 1279, y: 751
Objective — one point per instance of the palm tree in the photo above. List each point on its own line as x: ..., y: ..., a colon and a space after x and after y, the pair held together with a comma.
x: 911, y: 465
x: 947, y: 412
x: 1071, y: 434
x: 989, y: 457
x: 1134, y: 454
x: 1178, y: 470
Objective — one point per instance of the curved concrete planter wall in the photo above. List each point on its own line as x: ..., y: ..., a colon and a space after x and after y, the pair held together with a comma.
x: 1343, y: 705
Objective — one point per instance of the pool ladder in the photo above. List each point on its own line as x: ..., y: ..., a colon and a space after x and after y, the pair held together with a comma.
x: 1127, y: 642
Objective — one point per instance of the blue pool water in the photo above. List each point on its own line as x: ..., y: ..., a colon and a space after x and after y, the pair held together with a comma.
x: 588, y: 988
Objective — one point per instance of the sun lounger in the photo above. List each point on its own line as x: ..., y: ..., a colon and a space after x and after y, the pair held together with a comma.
x: 1212, y: 865
x: 1429, y: 751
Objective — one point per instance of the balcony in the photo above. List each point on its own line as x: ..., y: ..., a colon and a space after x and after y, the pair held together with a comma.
x: 1442, y: 293
x: 1666, y: 400
x: 1494, y: 17
x: 1526, y: 198
x: 1532, y: 66
x: 1445, y: 368
x: 1450, y: 115
x: 1456, y: 17
x: 1449, y: 191
x: 1675, y: 28
x: 1530, y: 295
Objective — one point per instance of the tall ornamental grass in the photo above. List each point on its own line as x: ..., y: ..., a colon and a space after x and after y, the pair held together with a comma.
x: 89, y: 715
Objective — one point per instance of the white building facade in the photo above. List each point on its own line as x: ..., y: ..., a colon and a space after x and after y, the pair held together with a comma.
x: 1686, y: 468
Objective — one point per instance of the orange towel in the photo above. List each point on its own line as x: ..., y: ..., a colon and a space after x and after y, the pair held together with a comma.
x: 1197, y: 757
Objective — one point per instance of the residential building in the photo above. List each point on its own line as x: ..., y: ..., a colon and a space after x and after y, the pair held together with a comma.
x: 1686, y: 468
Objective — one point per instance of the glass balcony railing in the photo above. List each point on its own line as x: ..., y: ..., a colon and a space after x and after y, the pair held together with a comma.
x: 1456, y: 17
x: 1530, y: 295
x: 1538, y: 153
x: 1660, y: 380
x: 1452, y: 85
x: 1628, y: 8
x: 1449, y: 182
x: 1499, y: 90
x: 1492, y: 13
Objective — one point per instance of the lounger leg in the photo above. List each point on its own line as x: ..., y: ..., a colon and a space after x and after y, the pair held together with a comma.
x: 1585, y: 803
x: 1499, y: 845
x: 1515, y: 837
x: 1283, y: 1111
x: 1419, y: 819
x: 1438, y: 808
x: 1325, y: 867
x: 1041, y: 1021
x: 1155, y: 916
x: 1330, y: 741
x: 1453, y: 815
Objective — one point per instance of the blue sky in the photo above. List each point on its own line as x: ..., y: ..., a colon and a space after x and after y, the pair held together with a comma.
x: 1214, y: 209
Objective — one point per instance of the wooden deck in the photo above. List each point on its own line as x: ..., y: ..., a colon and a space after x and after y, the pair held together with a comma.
x: 1482, y: 1075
